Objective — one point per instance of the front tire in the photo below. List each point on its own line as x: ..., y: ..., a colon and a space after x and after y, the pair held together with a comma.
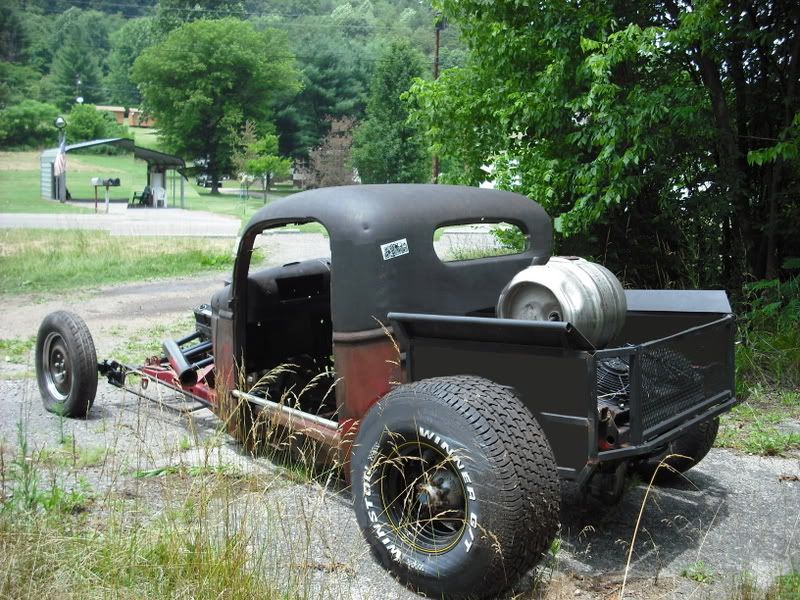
x: 455, y: 486
x: 66, y: 364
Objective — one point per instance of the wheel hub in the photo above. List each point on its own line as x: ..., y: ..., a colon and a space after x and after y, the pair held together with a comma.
x: 423, y: 497
x: 56, y: 368
x: 59, y: 369
x: 440, y: 493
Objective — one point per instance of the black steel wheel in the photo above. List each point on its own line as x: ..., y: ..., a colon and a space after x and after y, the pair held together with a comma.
x: 66, y: 364
x: 455, y: 486
x: 689, y: 449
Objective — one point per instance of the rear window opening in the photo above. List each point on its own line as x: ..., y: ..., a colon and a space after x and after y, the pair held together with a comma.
x: 470, y: 241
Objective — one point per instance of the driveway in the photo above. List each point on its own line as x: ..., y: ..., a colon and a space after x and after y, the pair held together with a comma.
x: 738, y: 514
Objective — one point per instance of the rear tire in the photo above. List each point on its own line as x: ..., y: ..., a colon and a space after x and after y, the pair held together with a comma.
x: 691, y: 448
x: 66, y: 364
x: 455, y: 486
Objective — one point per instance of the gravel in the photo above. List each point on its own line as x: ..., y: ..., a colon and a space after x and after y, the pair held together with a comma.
x: 736, y: 513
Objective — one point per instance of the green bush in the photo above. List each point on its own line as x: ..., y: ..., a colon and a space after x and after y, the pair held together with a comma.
x: 28, y: 124
x: 85, y: 123
x: 770, y: 331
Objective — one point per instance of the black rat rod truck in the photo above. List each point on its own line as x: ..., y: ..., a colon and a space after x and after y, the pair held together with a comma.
x: 464, y: 390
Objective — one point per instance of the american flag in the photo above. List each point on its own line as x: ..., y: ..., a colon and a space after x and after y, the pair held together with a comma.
x: 60, y: 165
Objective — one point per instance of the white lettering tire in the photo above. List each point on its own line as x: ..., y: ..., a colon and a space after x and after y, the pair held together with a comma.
x: 455, y: 486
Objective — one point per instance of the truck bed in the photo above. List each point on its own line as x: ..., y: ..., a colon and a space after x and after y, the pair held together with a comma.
x: 665, y: 385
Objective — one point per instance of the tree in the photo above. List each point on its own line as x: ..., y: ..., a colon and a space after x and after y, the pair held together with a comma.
x: 13, y: 36
x: 91, y: 26
x: 171, y: 14
x: 335, y: 74
x: 245, y: 152
x: 127, y: 43
x: 258, y: 158
x: 75, y: 73
x: 329, y: 163
x: 629, y: 117
x: 265, y: 163
x: 354, y: 21
x: 17, y: 82
x: 206, y: 79
x: 386, y: 148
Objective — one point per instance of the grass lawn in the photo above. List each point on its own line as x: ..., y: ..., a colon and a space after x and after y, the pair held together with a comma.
x: 227, y: 203
x: 19, y: 184
x: 30, y: 261
x: 19, y: 180
x: 146, y: 137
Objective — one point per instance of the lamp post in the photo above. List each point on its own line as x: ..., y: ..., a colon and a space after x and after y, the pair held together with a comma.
x: 60, y: 166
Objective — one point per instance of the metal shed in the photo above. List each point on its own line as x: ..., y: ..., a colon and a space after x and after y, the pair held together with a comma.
x: 158, y: 163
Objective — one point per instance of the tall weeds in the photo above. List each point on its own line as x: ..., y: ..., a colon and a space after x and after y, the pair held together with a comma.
x: 770, y: 334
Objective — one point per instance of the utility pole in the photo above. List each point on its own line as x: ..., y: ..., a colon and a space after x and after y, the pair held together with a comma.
x: 438, y: 26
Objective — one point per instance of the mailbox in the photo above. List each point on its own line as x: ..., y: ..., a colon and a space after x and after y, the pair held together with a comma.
x: 110, y: 182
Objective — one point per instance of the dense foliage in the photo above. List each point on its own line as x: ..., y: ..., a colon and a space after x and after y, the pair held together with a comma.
x: 206, y: 79
x: 663, y: 132
x: 386, y: 148
x: 54, y: 51
x: 85, y: 122
x: 27, y: 123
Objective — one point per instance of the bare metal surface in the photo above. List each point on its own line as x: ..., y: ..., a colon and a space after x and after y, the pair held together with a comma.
x: 296, y: 415
x: 571, y: 289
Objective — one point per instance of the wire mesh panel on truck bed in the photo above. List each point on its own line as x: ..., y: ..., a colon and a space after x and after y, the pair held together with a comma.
x: 666, y: 380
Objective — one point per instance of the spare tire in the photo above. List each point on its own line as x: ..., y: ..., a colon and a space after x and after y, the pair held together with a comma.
x: 455, y: 486
x: 66, y: 364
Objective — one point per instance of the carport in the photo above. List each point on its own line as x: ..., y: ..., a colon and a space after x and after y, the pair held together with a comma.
x: 159, y: 166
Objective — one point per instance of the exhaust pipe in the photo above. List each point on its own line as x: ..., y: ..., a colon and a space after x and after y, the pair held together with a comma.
x: 187, y: 375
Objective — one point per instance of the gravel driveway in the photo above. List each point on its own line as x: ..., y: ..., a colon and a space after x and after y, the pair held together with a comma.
x: 736, y: 513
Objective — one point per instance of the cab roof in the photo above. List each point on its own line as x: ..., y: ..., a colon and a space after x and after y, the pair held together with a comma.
x: 382, y: 254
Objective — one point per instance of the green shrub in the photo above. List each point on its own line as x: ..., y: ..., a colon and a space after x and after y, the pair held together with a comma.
x: 85, y: 122
x: 28, y: 124
x: 770, y: 331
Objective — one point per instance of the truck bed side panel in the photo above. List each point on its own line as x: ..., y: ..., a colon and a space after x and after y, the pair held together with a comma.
x: 554, y: 384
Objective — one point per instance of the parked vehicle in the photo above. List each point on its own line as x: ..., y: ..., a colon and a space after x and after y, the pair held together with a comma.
x: 204, y: 180
x: 464, y: 391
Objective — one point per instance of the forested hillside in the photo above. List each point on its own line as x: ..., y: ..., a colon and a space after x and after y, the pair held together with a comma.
x: 53, y: 52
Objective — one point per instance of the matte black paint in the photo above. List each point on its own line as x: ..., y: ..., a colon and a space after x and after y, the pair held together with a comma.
x: 549, y: 365
x: 359, y: 219
x: 555, y: 376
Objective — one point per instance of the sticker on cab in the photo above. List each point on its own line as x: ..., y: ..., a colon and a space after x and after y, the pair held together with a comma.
x: 394, y: 249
